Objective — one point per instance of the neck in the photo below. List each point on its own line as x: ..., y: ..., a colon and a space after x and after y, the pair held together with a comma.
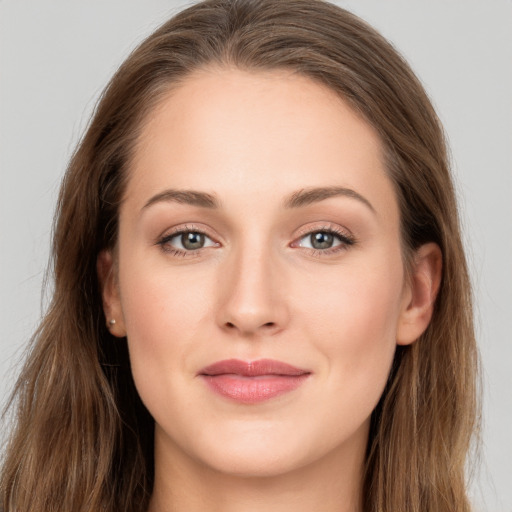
x: 330, y: 484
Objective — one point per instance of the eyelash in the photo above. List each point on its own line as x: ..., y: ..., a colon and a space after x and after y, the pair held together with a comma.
x: 345, y: 239
x: 168, y: 249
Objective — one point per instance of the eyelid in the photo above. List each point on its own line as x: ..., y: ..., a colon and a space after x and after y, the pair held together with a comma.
x: 176, y: 231
x: 345, y: 237
x: 335, y: 229
x: 185, y: 228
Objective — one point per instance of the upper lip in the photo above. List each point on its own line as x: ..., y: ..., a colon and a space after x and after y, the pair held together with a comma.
x: 252, y: 368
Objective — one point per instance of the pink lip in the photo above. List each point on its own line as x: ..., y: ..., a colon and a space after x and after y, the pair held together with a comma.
x: 252, y: 381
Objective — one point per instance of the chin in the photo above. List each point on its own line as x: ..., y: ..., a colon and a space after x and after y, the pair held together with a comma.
x: 254, y: 461
x: 270, y: 451
x: 246, y: 449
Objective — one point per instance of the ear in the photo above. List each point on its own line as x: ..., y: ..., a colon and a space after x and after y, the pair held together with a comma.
x: 110, y: 293
x: 421, y: 293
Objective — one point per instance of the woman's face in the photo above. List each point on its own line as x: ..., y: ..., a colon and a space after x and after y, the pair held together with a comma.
x: 258, y: 224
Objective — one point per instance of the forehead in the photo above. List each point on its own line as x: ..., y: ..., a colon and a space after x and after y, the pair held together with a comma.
x: 231, y: 132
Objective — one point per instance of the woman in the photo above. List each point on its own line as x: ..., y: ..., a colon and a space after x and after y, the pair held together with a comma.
x: 261, y: 299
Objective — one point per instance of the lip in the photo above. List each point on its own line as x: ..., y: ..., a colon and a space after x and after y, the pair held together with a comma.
x: 252, y: 381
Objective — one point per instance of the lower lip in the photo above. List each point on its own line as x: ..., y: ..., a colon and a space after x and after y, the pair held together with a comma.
x: 250, y: 390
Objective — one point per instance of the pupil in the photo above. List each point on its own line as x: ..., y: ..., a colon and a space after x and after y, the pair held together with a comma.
x: 192, y: 240
x: 321, y: 240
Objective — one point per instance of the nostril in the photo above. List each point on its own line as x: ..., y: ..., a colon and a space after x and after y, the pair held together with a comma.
x: 231, y: 325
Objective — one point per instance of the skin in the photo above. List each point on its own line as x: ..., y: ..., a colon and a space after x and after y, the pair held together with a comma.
x: 257, y: 289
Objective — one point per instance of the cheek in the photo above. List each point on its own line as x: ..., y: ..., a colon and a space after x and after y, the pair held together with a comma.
x: 157, y: 298
x: 354, y: 322
x: 164, y: 316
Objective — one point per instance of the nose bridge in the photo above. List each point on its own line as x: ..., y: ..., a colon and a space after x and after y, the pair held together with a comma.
x: 252, y: 300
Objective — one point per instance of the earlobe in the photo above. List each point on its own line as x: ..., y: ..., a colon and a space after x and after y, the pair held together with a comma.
x: 110, y: 294
x: 425, y: 280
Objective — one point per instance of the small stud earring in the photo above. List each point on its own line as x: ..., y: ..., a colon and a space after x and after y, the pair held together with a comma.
x: 112, y: 322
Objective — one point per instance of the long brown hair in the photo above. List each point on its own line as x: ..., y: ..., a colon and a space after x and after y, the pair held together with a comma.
x: 83, y: 440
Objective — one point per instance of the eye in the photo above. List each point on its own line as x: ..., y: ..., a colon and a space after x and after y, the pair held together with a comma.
x: 320, y: 240
x: 325, y: 239
x: 186, y: 241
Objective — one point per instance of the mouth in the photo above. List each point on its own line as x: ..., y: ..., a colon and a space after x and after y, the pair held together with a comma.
x: 252, y: 381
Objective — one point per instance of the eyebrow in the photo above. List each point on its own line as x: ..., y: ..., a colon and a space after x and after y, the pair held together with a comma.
x: 309, y: 196
x: 190, y: 197
x: 299, y: 199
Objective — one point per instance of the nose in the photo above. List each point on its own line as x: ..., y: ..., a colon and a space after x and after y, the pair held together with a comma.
x: 252, y: 298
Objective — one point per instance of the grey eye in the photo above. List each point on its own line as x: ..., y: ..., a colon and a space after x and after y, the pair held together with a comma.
x: 188, y: 241
x: 321, y: 240
x: 192, y: 240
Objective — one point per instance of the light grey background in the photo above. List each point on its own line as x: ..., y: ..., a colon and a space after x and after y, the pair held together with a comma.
x: 57, y: 55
